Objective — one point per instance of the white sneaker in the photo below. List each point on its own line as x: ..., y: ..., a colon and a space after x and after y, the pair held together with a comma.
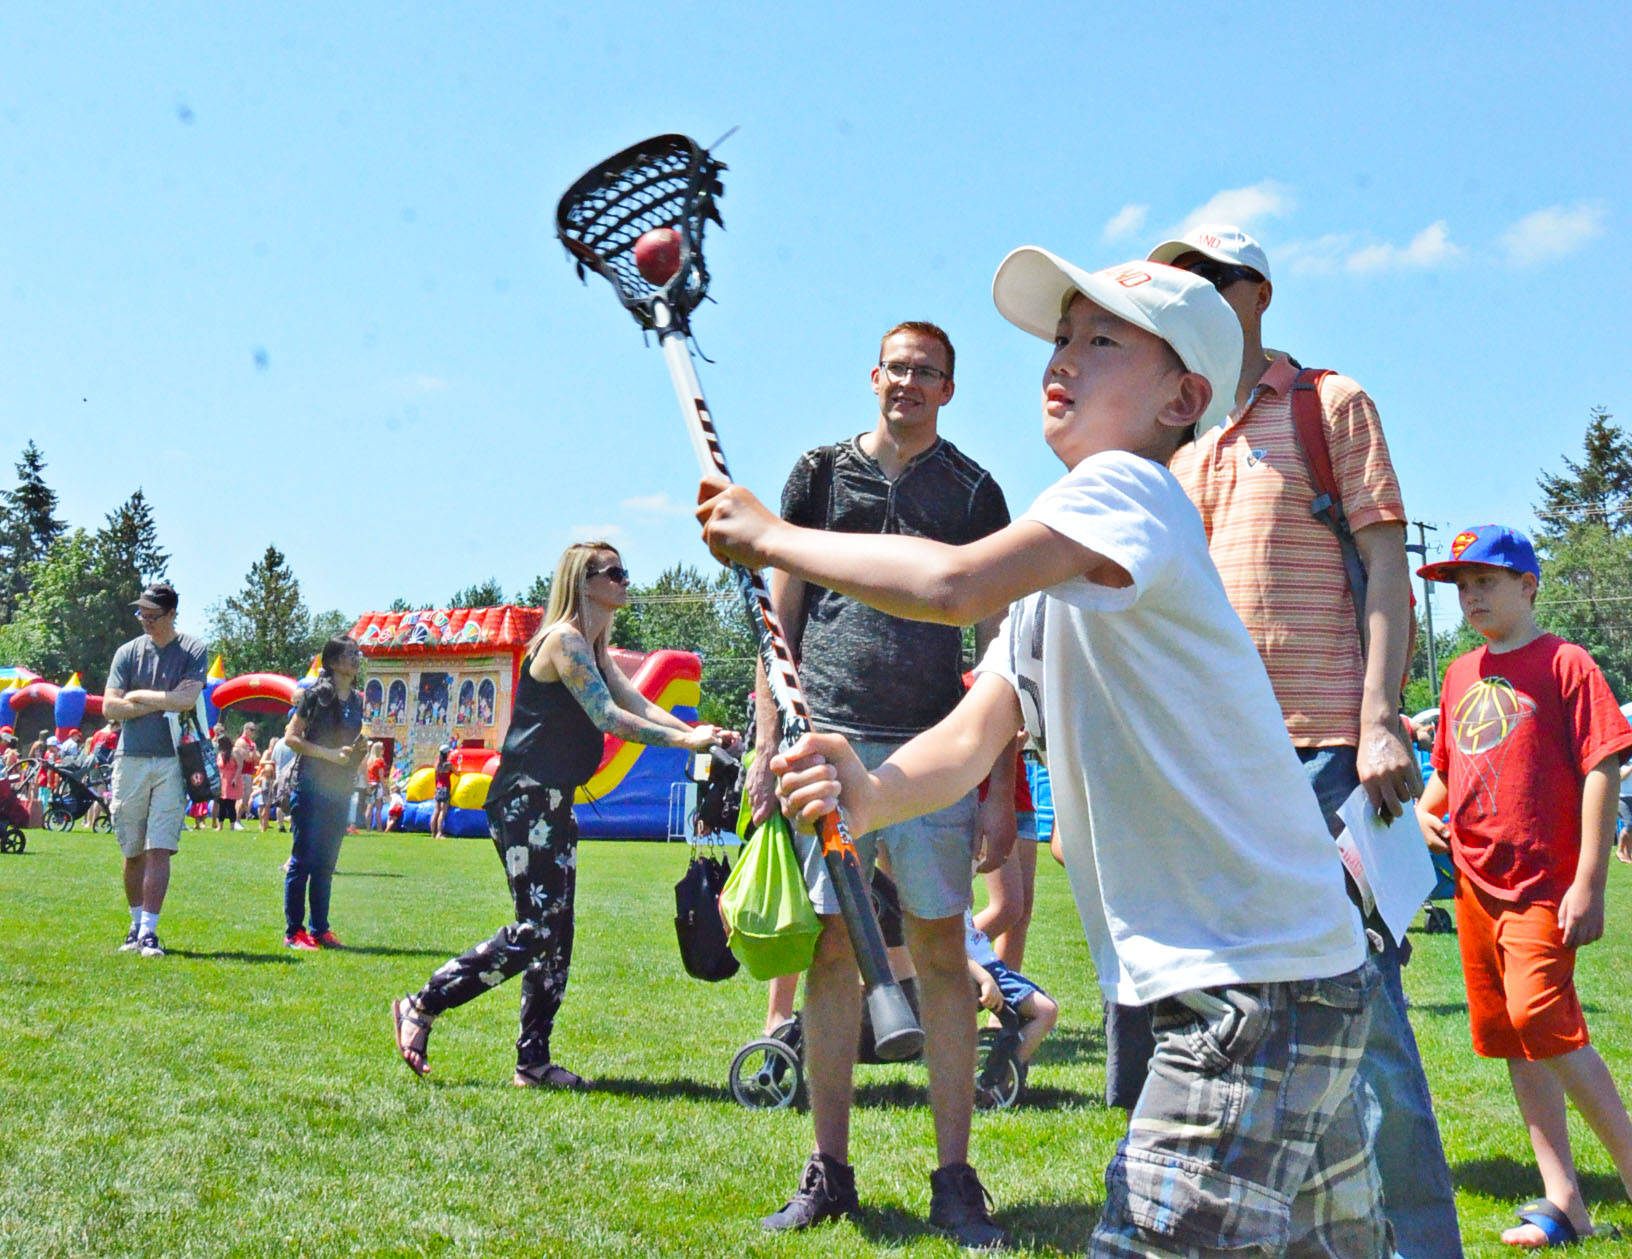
x: 237, y: 826
x: 150, y: 946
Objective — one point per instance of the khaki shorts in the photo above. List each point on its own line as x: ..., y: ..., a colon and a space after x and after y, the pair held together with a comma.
x: 149, y: 803
x: 931, y: 858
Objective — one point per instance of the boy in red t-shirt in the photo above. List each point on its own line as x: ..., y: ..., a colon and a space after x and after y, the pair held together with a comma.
x: 1526, y: 763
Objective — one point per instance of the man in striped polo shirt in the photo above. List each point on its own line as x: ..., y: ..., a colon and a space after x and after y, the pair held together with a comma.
x: 1283, y: 571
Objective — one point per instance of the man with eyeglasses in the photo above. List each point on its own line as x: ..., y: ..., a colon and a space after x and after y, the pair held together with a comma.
x: 1284, y: 573
x: 881, y: 680
x: 154, y: 674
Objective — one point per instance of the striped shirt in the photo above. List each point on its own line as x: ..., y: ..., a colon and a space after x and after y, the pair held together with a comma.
x: 1282, y: 568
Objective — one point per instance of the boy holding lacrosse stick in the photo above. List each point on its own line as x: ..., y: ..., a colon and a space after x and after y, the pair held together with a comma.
x: 1201, y: 866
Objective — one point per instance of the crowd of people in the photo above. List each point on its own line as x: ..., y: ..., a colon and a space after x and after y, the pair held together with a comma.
x: 1210, y: 669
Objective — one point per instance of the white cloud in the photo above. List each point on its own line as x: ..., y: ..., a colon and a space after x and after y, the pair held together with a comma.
x: 1320, y: 256
x: 659, y: 504
x: 417, y: 384
x: 1430, y: 247
x: 598, y: 533
x: 1241, y: 206
x: 1552, y: 232
x: 1125, y: 222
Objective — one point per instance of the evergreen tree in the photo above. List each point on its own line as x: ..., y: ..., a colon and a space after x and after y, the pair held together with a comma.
x: 55, y: 631
x: 1585, y: 546
x: 536, y: 595
x: 481, y: 594
x: 130, y: 540
x: 28, y: 528
x: 265, y: 627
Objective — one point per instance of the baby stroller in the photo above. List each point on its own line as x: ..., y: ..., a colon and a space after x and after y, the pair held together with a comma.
x: 72, y: 787
x: 769, y: 1073
x: 13, y: 817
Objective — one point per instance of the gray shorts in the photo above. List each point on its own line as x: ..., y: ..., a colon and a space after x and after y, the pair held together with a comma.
x: 149, y: 803
x: 931, y: 858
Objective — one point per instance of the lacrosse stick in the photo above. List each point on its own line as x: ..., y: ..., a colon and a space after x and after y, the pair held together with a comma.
x: 669, y: 185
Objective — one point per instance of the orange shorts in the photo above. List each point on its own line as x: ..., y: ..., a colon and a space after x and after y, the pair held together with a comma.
x: 1520, y: 978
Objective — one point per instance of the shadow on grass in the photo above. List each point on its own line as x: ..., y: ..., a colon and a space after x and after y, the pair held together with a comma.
x: 381, y: 950
x: 897, y: 1094
x: 368, y: 874
x: 1067, y: 1045
x: 1048, y: 1227
x: 1461, y: 1007
x: 235, y: 955
x: 1517, y: 1180
x: 674, y: 1087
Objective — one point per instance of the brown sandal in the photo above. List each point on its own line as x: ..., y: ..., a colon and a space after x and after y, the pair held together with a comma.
x: 415, y: 1051
x: 548, y: 1075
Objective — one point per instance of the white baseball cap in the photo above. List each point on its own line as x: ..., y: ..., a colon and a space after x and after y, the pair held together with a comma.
x: 1222, y: 241
x: 1032, y: 286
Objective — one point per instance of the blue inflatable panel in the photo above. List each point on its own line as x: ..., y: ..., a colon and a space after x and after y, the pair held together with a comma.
x: 417, y: 817
x: 464, y: 823
x: 1042, y: 798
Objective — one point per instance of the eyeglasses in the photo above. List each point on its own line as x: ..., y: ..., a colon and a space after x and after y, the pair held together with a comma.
x: 147, y: 618
x: 1221, y: 274
x: 900, y: 373
x: 617, y: 573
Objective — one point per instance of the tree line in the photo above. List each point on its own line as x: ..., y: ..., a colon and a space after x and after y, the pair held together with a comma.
x: 65, y: 592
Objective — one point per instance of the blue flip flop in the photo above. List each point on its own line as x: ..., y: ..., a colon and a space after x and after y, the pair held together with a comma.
x: 1555, y: 1226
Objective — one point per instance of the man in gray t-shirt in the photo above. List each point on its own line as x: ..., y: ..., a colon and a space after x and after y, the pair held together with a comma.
x: 881, y: 680
x: 153, y: 675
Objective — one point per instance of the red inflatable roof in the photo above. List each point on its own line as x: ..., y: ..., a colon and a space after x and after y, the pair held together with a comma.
x: 444, y: 630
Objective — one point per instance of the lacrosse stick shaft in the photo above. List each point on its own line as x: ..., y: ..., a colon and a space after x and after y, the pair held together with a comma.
x: 896, y: 1033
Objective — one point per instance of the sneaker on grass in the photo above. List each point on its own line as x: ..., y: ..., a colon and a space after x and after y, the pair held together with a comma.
x: 327, y: 940
x: 133, y: 940
x: 957, y: 1206
x: 301, y: 939
x: 149, y: 946
x: 827, y: 1191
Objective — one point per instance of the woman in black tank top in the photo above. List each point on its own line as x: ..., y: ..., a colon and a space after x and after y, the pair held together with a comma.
x: 570, y: 694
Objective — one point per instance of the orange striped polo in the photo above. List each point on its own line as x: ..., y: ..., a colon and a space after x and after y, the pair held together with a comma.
x: 1282, y: 568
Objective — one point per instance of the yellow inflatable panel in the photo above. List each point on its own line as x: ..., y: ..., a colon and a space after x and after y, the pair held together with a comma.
x: 421, y: 785
x: 470, y: 790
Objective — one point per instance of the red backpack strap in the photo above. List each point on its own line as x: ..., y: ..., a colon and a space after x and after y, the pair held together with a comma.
x: 1309, y: 421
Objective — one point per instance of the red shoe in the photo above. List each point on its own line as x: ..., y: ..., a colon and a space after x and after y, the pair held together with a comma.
x: 301, y: 939
x: 326, y: 940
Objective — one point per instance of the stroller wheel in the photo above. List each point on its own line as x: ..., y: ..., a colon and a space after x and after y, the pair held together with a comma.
x: 57, y: 818
x: 103, y: 824
x: 12, y: 839
x: 767, y: 1075
x: 1000, y: 1077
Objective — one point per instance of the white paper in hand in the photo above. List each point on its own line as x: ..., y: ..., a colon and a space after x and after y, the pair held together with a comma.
x: 1397, y: 872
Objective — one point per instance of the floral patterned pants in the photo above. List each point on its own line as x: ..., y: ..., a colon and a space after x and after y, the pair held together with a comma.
x: 537, y: 839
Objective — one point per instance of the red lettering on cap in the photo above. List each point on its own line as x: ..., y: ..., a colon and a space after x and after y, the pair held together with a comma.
x: 1462, y: 542
x: 1207, y: 239
x: 1133, y: 279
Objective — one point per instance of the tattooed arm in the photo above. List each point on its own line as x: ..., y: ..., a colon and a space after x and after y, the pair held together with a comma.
x: 569, y: 654
x: 627, y: 697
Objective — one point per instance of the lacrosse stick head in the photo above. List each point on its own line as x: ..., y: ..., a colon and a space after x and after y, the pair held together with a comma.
x: 668, y: 181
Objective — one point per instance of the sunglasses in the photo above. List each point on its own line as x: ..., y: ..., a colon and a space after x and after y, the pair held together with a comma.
x: 1221, y: 274
x: 617, y: 573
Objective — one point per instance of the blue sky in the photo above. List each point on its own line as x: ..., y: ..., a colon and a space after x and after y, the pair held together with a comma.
x: 291, y: 268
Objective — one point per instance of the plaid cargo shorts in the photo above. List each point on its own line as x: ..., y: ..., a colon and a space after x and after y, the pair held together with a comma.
x: 1254, y: 1131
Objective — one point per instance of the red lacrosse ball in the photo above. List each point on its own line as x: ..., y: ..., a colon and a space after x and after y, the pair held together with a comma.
x: 657, y: 254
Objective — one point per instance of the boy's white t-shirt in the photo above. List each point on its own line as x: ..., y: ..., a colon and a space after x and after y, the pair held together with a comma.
x: 1196, y: 851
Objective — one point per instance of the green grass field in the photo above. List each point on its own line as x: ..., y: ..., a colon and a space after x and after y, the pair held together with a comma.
x: 237, y: 1099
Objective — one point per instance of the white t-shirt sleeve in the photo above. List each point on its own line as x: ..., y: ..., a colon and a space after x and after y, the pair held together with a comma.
x: 1118, y: 505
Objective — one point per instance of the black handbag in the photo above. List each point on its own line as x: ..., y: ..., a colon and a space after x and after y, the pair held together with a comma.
x: 697, y: 924
x: 200, y: 774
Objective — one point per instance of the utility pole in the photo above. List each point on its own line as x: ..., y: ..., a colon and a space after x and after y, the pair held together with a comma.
x: 1421, y: 548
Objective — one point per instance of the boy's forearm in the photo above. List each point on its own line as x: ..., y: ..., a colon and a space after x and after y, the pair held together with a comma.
x: 946, y: 762
x: 902, y: 576
x: 1598, y: 801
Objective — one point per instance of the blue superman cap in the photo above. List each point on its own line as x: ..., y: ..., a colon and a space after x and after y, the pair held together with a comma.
x: 1495, y: 546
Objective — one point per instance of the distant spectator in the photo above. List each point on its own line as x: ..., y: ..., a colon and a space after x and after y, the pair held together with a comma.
x: 232, y: 785
x: 375, y: 819
x: 444, y: 791
x: 155, y: 674
x: 326, y: 733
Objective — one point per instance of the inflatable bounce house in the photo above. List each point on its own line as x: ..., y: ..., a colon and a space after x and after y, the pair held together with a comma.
x: 449, y: 677
x: 70, y: 704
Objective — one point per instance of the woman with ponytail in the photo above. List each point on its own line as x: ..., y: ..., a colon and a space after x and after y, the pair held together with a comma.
x: 569, y: 694
x: 326, y: 733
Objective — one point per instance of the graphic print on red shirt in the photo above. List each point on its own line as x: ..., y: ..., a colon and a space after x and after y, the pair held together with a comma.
x: 1518, y: 732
